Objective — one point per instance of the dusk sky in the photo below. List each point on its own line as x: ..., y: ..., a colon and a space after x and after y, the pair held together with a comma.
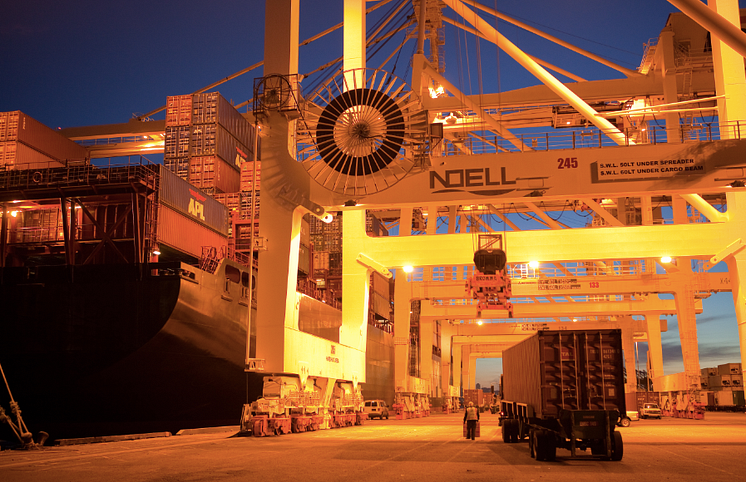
x: 89, y: 62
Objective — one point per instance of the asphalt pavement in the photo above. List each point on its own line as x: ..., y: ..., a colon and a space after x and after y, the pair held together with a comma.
x: 426, y: 449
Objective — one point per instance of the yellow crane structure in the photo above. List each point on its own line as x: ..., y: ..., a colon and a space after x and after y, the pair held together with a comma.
x: 367, y: 142
x: 450, y: 170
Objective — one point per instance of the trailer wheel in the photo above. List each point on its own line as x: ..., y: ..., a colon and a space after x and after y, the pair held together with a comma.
x: 514, y: 431
x: 617, y: 447
x: 506, y: 432
x: 544, y: 446
x: 550, y: 452
x: 539, y: 445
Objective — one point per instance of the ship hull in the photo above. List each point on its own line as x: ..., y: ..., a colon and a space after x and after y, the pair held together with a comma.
x: 104, y: 350
x: 107, y: 350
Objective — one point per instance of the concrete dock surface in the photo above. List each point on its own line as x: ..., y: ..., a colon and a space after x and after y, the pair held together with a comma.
x: 425, y: 449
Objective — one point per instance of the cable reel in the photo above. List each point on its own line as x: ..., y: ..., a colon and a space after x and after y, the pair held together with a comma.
x: 357, y: 134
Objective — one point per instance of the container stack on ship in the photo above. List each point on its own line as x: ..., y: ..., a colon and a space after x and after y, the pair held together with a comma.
x: 125, y: 309
x: 127, y: 282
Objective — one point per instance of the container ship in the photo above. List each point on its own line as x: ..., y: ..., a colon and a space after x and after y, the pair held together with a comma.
x: 126, y: 286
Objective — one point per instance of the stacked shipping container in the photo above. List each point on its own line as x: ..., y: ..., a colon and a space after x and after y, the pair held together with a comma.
x: 184, y: 209
x: 26, y: 143
x: 724, y: 385
x: 207, y: 141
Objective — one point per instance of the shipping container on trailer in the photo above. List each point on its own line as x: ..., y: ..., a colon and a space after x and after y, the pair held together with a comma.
x: 565, y: 389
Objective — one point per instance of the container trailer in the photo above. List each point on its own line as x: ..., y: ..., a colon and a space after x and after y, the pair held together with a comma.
x: 565, y: 389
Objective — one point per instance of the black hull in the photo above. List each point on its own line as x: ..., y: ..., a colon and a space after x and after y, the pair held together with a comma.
x: 107, y: 350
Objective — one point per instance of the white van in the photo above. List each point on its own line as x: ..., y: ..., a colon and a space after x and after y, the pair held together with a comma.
x: 376, y: 408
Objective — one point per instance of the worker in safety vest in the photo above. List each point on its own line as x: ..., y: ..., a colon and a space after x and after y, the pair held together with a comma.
x: 471, y: 416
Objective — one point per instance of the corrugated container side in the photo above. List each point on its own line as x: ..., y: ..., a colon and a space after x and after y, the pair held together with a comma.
x: 213, y: 108
x: 709, y: 372
x: 213, y: 172
x: 381, y: 305
x: 335, y: 264
x: 719, y: 381
x: 317, y: 242
x: 9, y: 125
x: 178, y: 110
x: 185, y: 234
x: 39, y: 226
x: 474, y: 396
x: 179, y: 166
x: 647, y: 397
x: 192, y: 202
x: 17, y: 155
x: 729, y: 369
x: 521, y: 374
x: 704, y: 382
x: 246, y: 205
x: 305, y: 233
x: 177, y: 143
x: 247, y: 175
x: 214, y: 140
x: 244, y: 230
x: 18, y: 126
x: 320, y: 260
x: 304, y: 259
x: 724, y: 397
x: 333, y: 241
x: 380, y: 284
x: 571, y: 370
x: 230, y: 200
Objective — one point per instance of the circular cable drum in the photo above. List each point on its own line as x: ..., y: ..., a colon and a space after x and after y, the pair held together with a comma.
x: 356, y: 136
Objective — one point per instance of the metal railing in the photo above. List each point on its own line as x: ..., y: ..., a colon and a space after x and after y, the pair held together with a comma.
x: 121, y: 171
x: 584, y: 138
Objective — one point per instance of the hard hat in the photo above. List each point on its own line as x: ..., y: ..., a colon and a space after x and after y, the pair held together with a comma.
x: 471, y: 404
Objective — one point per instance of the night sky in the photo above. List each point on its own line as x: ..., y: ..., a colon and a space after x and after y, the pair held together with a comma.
x: 88, y: 62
